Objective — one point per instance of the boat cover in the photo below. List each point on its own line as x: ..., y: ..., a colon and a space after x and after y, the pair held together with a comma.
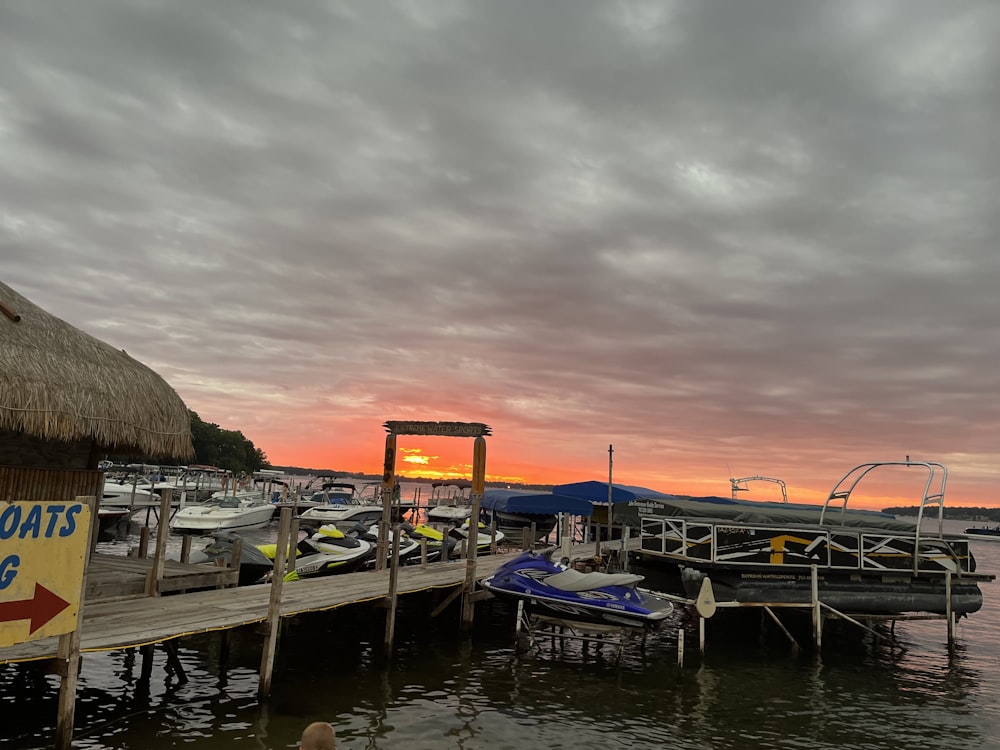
x: 597, y: 492
x: 633, y: 502
x: 533, y: 503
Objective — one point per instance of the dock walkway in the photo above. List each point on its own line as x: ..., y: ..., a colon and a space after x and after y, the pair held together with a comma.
x: 123, y: 623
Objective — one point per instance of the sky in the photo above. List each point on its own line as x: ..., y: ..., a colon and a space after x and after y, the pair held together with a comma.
x: 725, y: 239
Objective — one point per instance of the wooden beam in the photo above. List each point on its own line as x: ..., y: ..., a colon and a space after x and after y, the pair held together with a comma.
x: 160, y: 553
x: 274, y: 605
x: 457, y: 592
x: 390, y: 616
x: 69, y: 655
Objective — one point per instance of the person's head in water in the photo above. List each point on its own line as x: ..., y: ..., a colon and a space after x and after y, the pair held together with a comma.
x: 318, y: 736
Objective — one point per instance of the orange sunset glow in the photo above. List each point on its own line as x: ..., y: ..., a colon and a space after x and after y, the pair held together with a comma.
x: 509, y: 462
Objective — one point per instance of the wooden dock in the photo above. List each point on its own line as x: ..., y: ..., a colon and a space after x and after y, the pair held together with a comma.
x: 124, y: 621
x: 115, y: 577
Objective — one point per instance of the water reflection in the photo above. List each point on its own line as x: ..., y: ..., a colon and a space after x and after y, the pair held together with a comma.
x: 443, y: 691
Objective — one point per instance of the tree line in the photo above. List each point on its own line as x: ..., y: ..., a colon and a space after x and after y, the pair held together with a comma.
x: 213, y: 446
x: 959, y: 513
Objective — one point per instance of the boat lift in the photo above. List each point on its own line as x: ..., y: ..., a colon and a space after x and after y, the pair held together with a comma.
x: 558, y: 630
x: 705, y: 607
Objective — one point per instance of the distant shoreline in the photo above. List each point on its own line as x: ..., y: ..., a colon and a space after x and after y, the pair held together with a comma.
x: 297, y: 471
x: 957, y: 513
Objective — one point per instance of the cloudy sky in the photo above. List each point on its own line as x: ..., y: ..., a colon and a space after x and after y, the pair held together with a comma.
x: 727, y: 238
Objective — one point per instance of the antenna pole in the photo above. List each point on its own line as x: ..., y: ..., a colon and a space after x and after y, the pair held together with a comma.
x: 611, y: 507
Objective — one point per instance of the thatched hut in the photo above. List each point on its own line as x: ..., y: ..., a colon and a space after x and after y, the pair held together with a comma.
x: 66, y: 398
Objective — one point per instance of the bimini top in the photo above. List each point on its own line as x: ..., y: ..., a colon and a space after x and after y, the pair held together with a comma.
x: 532, y: 503
x: 597, y: 492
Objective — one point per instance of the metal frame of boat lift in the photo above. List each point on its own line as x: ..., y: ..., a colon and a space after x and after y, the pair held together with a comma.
x: 559, y: 630
x: 706, y: 605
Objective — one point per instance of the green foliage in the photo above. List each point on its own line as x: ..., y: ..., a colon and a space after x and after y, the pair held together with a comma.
x: 227, y: 449
x: 213, y: 446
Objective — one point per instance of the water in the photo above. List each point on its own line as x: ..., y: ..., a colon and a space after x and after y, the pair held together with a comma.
x: 444, y: 691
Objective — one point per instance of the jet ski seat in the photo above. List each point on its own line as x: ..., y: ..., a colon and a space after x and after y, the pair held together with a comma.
x: 575, y: 580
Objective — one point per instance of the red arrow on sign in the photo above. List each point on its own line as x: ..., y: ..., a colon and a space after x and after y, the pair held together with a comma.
x: 41, y: 608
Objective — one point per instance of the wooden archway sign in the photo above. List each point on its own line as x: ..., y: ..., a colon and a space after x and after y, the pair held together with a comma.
x: 476, y: 430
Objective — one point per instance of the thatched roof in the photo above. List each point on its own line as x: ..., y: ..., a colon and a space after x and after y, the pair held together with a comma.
x: 59, y: 383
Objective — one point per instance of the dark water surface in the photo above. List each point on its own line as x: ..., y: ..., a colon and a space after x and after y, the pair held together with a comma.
x: 445, y: 691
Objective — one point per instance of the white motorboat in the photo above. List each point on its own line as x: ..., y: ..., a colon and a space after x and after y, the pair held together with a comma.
x: 451, y: 515
x: 137, y: 493
x: 225, y: 513
x: 449, y: 502
x: 342, y: 515
x: 341, y: 505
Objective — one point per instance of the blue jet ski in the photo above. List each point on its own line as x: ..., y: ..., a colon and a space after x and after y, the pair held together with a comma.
x: 554, y: 589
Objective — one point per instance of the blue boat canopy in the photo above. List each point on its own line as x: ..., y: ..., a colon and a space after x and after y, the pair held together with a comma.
x: 531, y: 503
x: 597, y: 492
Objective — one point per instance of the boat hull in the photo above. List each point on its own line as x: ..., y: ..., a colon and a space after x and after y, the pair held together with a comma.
x: 872, y: 595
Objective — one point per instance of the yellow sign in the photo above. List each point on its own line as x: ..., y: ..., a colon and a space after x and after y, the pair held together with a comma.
x: 43, y: 547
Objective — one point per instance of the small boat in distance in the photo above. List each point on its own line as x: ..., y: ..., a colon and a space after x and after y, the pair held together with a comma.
x: 991, y: 533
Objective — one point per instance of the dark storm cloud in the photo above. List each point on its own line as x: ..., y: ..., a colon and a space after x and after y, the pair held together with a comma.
x: 731, y: 220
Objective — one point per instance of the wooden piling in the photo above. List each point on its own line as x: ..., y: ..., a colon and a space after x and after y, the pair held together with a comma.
x: 143, y: 542
x: 817, y: 613
x: 391, y: 598
x: 948, y: 612
x: 472, y: 543
x: 69, y: 657
x: 274, y: 606
x: 160, y: 552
